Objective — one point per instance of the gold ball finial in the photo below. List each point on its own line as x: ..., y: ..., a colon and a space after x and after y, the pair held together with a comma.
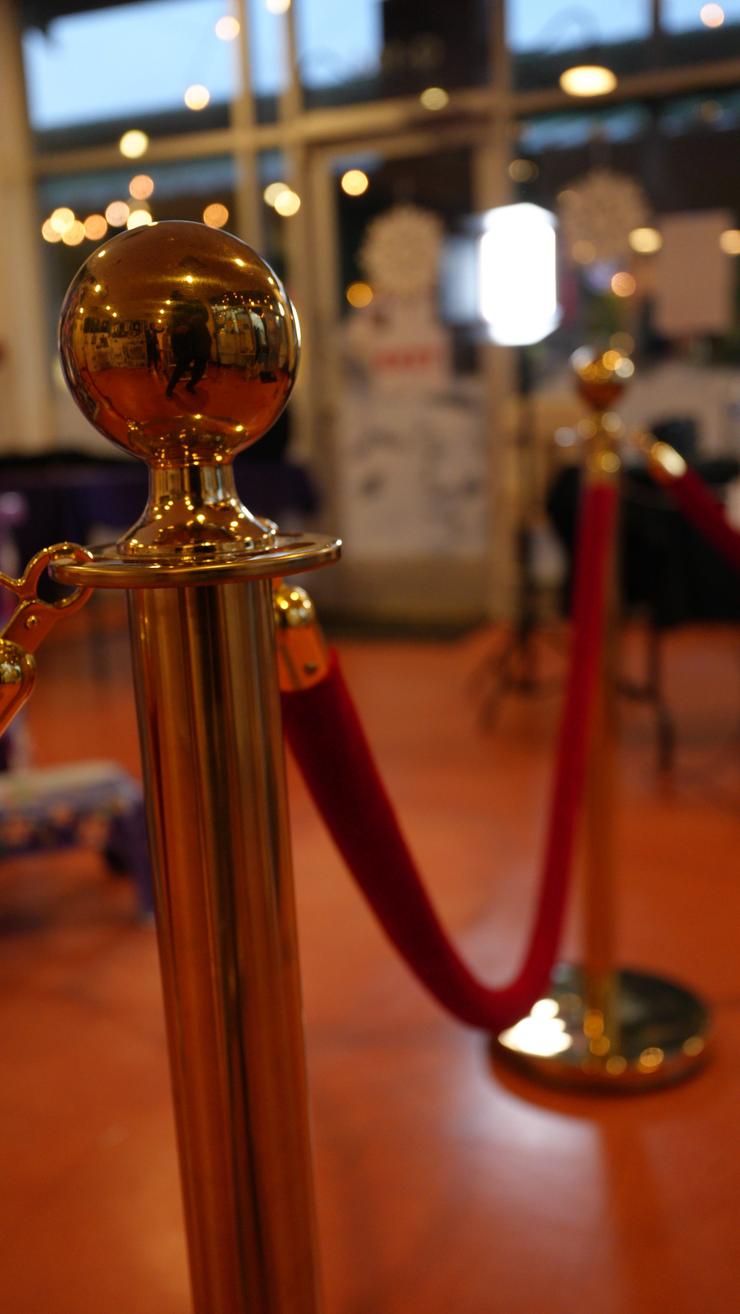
x: 601, y: 376
x: 179, y: 343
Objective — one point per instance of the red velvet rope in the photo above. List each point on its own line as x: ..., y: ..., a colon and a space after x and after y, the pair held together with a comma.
x: 326, y: 736
x: 702, y: 508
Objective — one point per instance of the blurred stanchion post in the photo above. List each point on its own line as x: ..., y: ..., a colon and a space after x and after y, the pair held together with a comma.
x: 197, y: 568
x: 601, y: 1025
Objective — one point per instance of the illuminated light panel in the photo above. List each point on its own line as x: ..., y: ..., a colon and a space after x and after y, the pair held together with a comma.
x: 277, y: 6
x: 61, y: 219
x: 359, y: 295
x: 133, y: 144
x: 712, y: 15
x: 273, y: 190
x: 139, y: 219
x: 197, y: 96
x: 141, y: 187
x: 227, y: 28
x: 645, y: 240
x: 522, y: 171
x: 49, y: 232
x: 215, y: 215
x: 730, y: 241
x: 117, y: 213
x: 588, y: 80
x: 517, y: 274
x: 434, y: 98
x: 288, y: 203
x: 355, y: 182
x: 96, y: 226
x: 75, y: 234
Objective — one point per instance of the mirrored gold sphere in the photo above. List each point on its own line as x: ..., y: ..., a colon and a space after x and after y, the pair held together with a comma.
x: 601, y: 375
x: 179, y: 343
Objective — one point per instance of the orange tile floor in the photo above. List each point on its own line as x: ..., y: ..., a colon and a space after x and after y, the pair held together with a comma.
x: 442, y: 1185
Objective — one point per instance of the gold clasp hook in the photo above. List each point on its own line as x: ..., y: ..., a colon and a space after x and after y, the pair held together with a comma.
x: 29, y: 625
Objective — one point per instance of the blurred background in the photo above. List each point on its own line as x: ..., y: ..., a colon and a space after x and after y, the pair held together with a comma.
x: 359, y: 148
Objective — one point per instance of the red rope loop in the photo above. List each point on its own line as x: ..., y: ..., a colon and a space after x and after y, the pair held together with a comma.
x: 325, y: 734
x: 699, y: 505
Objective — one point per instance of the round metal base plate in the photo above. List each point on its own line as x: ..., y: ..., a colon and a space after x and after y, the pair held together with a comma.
x: 648, y: 1033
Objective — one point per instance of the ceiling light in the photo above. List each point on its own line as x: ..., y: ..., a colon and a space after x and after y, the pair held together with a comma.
x: 588, y: 80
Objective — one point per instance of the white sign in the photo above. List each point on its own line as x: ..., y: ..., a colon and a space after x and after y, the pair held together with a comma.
x: 694, y: 276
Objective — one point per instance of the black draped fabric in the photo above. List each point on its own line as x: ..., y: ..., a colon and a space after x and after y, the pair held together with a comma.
x: 667, y: 569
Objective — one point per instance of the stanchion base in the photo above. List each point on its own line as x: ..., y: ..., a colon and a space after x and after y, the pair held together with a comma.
x: 650, y: 1033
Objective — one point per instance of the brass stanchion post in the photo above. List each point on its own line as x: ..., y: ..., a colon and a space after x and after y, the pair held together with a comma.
x: 601, y: 1025
x: 197, y: 568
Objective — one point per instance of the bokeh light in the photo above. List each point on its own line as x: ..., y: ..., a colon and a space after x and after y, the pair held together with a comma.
x: 96, y: 227
x: 730, y: 241
x: 623, y: 284
x: 712, y: 15
x: 583, y: 251
x: 61, y: 219
x: 645, y: 240
x: 49, y: 232
x: 215, y: 215
x: 133, y: 144
x: 434, y: 98
x: 588, y: 80
x: 273, y: 190
x: 522, y: 171
x: 287, y: 203
x: 197, y: 96
x: 75, y: 234
x: 359, y: 295
x: 355, y: 182
x: 141, y: 186
x: 117, y: 213
x: 227, y: 28
x: 139, y: 219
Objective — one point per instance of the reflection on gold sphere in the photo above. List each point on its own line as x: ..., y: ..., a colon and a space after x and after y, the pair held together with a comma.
x: 601, y: 375
x: 187, y: 347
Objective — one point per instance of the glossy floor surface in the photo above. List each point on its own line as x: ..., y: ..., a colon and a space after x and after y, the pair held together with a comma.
x: 442, y: 1185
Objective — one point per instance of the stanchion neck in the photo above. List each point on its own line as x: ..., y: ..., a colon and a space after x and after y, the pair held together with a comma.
x: 194, y: 509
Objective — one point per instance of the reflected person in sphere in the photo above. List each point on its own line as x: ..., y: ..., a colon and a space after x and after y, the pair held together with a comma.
x: 191, y: 342
x: 153, y: 354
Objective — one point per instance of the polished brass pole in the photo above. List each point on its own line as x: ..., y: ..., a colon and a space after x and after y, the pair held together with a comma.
x: 209, y: 722
x: 221, y: 355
